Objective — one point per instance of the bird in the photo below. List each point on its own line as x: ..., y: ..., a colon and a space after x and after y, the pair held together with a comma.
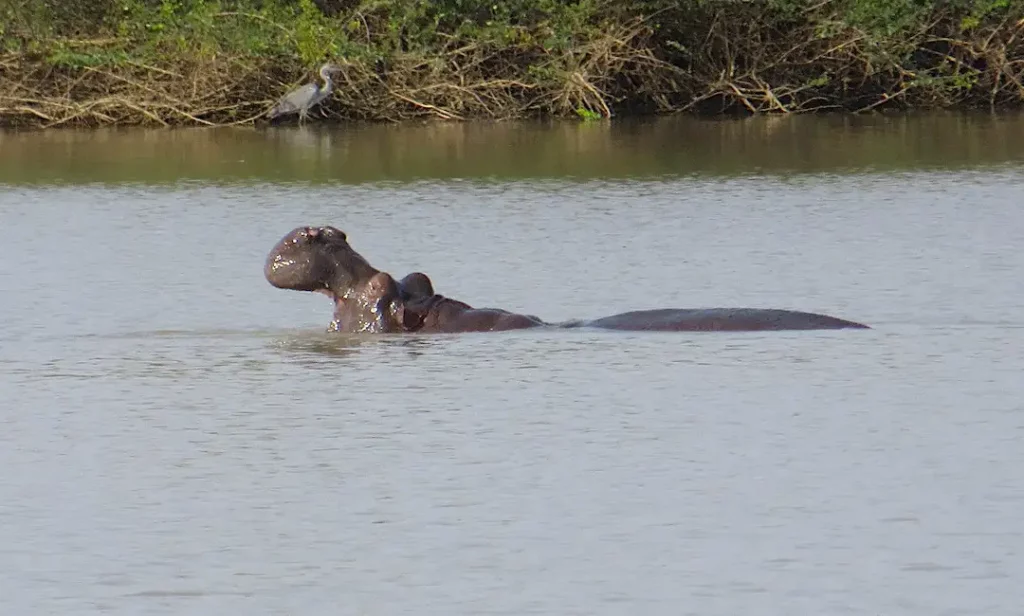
x: 301, y: 99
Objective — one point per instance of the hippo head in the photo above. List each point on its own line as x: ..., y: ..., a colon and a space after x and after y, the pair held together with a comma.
x: 317, y: 259
x: 416, y: 285
x: 320, y: 259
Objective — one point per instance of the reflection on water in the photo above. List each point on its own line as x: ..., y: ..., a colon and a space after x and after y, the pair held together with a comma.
x: 619, y: 149
x: 341, y: 345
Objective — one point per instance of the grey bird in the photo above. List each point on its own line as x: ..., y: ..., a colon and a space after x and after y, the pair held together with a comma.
x: 301, y: 99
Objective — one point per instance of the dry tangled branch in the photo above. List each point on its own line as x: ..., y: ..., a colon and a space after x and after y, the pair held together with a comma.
x: 203, y: 93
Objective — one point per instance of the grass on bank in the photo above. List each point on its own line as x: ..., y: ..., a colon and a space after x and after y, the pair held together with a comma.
x: 213, y: 62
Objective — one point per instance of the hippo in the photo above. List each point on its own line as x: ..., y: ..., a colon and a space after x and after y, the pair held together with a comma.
x: 367, y: 300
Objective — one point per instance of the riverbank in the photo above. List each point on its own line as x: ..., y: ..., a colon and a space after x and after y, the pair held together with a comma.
x: 201, y: 62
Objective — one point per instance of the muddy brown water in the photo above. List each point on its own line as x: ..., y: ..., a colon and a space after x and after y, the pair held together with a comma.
x: 181, y: 438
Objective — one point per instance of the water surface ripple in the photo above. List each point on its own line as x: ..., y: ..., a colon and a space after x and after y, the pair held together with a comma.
x: 182, y: 438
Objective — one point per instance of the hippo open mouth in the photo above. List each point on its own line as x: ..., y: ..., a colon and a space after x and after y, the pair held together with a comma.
x: 320, y: 259
x: 337, y: 324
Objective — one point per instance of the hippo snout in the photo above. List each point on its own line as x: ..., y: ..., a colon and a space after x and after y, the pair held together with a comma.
x: 311, y: 258
x: 288, y: 262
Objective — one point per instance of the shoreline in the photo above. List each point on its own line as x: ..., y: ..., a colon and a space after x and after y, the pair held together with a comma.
x: 197, y: 63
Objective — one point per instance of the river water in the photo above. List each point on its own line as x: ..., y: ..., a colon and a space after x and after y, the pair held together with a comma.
x: 182, y: 438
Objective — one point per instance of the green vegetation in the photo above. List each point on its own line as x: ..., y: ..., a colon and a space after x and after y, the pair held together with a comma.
x: 95, y: 62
